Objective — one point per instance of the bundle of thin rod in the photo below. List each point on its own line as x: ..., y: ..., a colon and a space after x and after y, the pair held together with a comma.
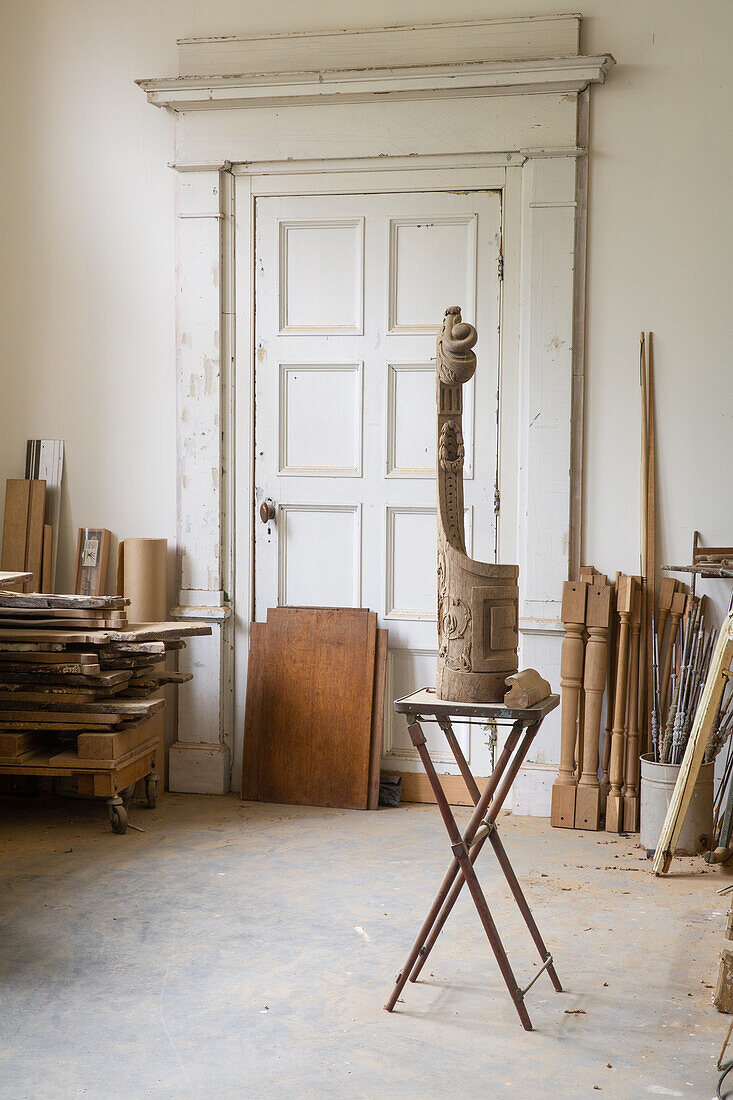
x: 693, y: 650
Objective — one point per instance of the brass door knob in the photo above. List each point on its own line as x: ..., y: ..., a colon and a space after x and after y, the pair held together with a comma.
x: 267, y: 510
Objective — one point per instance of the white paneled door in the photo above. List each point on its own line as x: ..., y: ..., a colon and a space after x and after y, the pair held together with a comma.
x: 350, y: 292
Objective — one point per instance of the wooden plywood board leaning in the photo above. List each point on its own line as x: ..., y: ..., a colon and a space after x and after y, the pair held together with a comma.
x: 34, y: 538
x: 314, y: 708
x: 15, y: 524
x: 45, y: 460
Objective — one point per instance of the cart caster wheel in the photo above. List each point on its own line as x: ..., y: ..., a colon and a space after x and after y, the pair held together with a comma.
x: 118, y: 819
x: 151, y: 791
x: 127, y: 794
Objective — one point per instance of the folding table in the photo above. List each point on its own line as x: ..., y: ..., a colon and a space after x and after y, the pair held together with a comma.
x: 422, y: 706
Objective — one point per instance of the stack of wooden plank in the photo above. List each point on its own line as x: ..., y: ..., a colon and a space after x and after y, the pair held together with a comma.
x: 315, y: 708
x: 76, y: 687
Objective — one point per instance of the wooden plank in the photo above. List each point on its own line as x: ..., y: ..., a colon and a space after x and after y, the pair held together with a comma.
x: 135, y: 649
x: 12, y: 577
x: 44, y: 693
x: 15, y: 527
x: 150, y: 632
x: 89, y: 678
x: 416, y: 788
x: 45, y: 460
x: 316, y: 708
x: 252, y: 705
x: 84, y: 714
x: 47, y: 558
x: 34, y: 537
x: 64, y: 657
x: 54, y: 727
x: 62, y: 600
x: 92, y: 557
x: 117, y: 707
x: 19, y: 742
x: 126, y: 771
x: 377, y: 733
x: 67, y: 637
x: 11, y: 666
x: 32, y: 614
x: 63, y: 624
x: 115, y: 744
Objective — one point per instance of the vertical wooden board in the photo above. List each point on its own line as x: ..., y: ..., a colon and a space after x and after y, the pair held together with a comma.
x: 317, y: 706
x: 253, y: 700
x: 47, y: 559
x: 92, y: 556
x: 380, y: 680
x: 34, y: 537
x: 15, y: 529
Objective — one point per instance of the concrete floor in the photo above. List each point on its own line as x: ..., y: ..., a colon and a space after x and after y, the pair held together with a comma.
x: 241, y: 950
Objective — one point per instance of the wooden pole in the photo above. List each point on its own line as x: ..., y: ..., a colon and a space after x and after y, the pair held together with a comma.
x: 562, y: 812
x: 676, y: 611
x: 611, y: 679
x: 588, y: 797
x: 650, y: 565
x: 614, y: 803
x: 631, y: 794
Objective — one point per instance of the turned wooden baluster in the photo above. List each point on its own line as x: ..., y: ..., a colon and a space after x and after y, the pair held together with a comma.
x: 562, y: 813
x: 611, y: 679
x: 631, y: 771
x: 597, y: 619
x: 614, y: 802
x: 676, y: 612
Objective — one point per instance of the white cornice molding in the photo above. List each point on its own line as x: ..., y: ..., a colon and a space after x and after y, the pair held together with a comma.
x: 486, y: 78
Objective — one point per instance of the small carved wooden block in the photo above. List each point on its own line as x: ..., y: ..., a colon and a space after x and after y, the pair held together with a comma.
x: 525, y: 689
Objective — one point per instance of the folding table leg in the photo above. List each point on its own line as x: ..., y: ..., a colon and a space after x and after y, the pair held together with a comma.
x: 460, y: 852
x: 523, y: 905
x: 503, y: 860
x: 474, y: 849
x: 454, y: 868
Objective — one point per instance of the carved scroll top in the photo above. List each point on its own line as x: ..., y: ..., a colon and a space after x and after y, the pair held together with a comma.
x: 456, y: 360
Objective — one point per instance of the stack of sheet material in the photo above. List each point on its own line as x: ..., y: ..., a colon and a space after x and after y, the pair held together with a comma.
x: 76, y: 677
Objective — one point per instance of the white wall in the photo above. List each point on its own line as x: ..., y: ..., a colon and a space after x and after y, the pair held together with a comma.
x: 86, y: 286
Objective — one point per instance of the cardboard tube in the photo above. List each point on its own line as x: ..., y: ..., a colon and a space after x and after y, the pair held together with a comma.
x: 141, y: 577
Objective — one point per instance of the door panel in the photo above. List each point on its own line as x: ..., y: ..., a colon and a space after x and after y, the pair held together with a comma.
x: 350, y: 293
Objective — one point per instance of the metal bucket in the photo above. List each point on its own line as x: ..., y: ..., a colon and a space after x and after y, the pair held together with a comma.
x: 657, y: 784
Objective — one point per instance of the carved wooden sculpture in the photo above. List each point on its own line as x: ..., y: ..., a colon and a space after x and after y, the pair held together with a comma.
x: 562, y: 812
x: 477, y: 602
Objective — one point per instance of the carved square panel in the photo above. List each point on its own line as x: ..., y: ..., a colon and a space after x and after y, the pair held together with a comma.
x: 411, y: 421
x: 321, y: 284
x: 319, y: 555
x: 503, y: 626
x: 409, y: 670
x: 411, y: 583
x: 320, y: 419
x: 432, y: 265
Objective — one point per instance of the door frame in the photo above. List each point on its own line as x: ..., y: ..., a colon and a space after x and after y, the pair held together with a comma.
x: 357, y: 178
x: 454, y: 123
